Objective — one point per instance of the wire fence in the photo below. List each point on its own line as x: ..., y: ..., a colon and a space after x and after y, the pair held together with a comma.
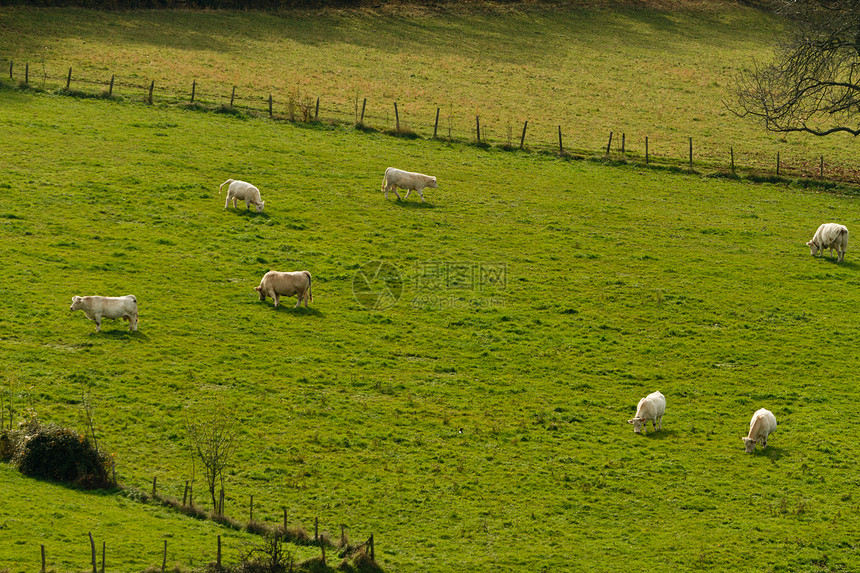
x: 538, y: 135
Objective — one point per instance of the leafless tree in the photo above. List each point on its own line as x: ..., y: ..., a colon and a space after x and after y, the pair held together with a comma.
x: 214, y: 440
x: 813, y: 84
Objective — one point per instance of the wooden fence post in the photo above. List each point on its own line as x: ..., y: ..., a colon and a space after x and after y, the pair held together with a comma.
x: 151, y: 87
x: 270, y: 105
x: 69, y: 79
x: 43, y: 558
x: 322, y: 547
x: 478, y: 128
x: 104, y: 544
x: 154, y: 480
x: 777, y: 163
x: 232, y: 96
x: 285, y: 521
x: 10, y: 68
x: 185, y: 493
x: 732, y: 152
x: 396, y: 118
x: 164, y: 557
x: 219, y: 553
x: 523, y: 138
x: 317, y: 110
x: 821, y: 168
x: 646, y: 150
x: 193, y: 89
x: 623, y: 136
x: 316, y: 529
x: 363, y: 105
x: 436, y: 124
x: 560, y: 147
x: 27, y: 73
x: 93, y: 551
x: 372, y: 549
x: 691, y: 153
x: 609, y: 145
x: 110, y: 89
x: 221, y: 504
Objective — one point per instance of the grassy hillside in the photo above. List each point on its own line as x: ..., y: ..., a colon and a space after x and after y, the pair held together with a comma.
x: 474, y: 425
x: 659, y: 73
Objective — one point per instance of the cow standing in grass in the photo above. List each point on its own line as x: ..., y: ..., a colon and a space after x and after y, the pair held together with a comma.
x: 276, y: 284
x: 762, y: 424
x: 113, y: 307
x: 242, y: 191
x: 651, y: 407
x: 830, y: 235
x: 408, y: 180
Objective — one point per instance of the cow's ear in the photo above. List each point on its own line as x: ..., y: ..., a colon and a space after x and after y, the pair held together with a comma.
x: 258, y: 289
x: 629, y: 421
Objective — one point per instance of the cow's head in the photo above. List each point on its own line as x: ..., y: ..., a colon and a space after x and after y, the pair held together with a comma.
x: 260, y: 206
x: 813, y: 248
x: 432, y: 183
x: 637, y: 424
x: 77, y: 303
x: 260, y: 292
x: 749, y: 445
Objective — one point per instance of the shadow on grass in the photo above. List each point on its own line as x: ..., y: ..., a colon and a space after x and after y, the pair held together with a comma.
x: 249, y: 213
x: 663, y: 434
x: 413, y: 204
x: 120, y: 334
x: 298, y: 311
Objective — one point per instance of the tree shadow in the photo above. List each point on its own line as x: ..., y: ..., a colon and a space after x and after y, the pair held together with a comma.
x: 119, y: 334
x: 248, y: 213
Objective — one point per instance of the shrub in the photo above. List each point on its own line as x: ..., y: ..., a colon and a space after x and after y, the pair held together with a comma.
x: 63, y: 455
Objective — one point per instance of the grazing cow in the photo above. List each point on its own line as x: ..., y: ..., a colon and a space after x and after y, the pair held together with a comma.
x: 763, y: 424
x: 275, y: 284
x: 830, y: 235
x: 113, y: 307
x: 651, y: 407
x: 242, y: 191
x: 408, y: 180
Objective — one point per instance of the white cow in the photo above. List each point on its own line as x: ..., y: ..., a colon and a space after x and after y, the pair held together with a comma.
x: 408, y: 180
x: 762, y: 424
x: 242, y: 191
x: 113, y: 307
x: 651, y: 407
x: 275, y: 284
x: 830, y: 235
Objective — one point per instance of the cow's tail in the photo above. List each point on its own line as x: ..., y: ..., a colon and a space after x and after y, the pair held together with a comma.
x: 310, y: 293
x: 222, y: 185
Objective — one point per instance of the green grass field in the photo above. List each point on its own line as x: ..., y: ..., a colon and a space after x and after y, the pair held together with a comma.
x: 476, y: 424
x: 662, y: 74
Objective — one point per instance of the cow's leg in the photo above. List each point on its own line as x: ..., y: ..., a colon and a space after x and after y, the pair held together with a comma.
x: 132, y: 323
x: 247, y: 204
x: 227, y: 202
x: 394, y: 188
x: 276, y: 297
x: 408, y: 191
x: 298, y: 300
x: 660, y: 423
x: 421, y: 194
x: 98, y: 321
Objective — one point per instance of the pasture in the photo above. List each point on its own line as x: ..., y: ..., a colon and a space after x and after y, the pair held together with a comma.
x: 664, y: 73
x: 477, y: 424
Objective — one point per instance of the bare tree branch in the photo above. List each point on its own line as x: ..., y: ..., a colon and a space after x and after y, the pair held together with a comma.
x: 813, y: 84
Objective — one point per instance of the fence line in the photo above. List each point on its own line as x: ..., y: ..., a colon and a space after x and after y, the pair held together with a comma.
x: 322, y: 540
x: 540, y: 136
